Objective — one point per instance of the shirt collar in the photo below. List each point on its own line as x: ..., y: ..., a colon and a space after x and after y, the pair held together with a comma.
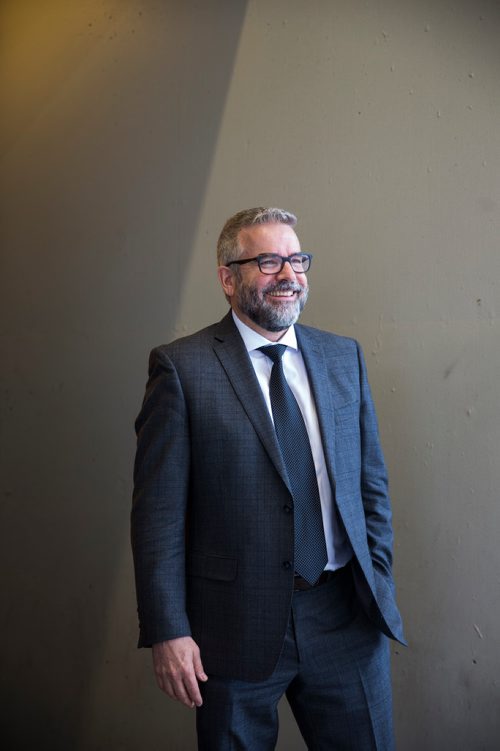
x: 253, y: 340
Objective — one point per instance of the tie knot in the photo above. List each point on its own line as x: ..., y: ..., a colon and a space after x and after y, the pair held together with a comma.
x: 274, y: 351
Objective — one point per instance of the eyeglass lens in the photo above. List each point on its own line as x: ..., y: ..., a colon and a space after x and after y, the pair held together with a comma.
x: 272, y: 264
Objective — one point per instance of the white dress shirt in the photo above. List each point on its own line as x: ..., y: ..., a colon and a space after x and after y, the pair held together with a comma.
x: 338, y: 548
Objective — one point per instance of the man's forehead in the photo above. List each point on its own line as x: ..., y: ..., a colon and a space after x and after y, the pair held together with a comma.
x: 268, y: 234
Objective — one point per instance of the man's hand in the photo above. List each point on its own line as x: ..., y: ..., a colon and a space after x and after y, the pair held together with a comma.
x: 178, y: 669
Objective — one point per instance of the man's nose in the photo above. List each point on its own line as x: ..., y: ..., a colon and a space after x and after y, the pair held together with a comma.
x: 287, y: 272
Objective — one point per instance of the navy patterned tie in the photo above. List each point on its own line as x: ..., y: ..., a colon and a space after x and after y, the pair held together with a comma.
x: 310, y: 546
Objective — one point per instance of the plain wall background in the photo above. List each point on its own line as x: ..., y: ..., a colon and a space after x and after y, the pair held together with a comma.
x: 131, y: 130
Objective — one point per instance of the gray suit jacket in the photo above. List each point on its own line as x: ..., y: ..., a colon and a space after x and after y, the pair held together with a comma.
x: 210, y: 533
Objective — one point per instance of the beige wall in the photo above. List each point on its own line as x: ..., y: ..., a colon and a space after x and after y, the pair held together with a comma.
x: 133, y: 130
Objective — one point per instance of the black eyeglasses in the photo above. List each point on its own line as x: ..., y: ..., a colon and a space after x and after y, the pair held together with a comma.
x: 272, y: 263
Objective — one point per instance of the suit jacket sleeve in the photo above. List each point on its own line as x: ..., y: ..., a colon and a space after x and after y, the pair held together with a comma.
x: 374, y: 484
x: 161, y: 486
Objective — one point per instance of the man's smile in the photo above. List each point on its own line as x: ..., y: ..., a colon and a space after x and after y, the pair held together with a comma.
x: 284, y: 290
x: 282, y: 294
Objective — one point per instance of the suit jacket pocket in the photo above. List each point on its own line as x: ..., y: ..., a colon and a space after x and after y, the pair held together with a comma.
x: 212, y: 566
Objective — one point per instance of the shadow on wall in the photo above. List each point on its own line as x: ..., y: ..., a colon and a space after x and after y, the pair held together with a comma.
x: 114, y: 116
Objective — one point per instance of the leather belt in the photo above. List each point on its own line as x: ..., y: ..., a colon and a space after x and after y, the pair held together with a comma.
x: 300, y: 584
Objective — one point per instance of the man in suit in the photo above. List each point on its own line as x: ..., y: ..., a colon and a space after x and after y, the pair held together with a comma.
x: 261, y: 522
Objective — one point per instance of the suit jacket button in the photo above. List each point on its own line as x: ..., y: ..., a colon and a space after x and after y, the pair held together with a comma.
x: 287, y: 509
x: 287, y: 565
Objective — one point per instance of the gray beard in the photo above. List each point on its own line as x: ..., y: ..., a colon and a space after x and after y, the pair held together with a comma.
x: 273, y: 317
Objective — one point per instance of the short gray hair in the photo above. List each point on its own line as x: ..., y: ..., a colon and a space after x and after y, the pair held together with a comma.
x: 228, y: 248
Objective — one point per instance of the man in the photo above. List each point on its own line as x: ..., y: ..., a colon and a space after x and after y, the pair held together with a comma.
x: 261, y: 522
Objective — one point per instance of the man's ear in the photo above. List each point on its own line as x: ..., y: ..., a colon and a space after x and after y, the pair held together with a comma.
x: 226, y: 278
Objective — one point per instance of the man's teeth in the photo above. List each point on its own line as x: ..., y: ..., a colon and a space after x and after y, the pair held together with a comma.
x: 282, y: 294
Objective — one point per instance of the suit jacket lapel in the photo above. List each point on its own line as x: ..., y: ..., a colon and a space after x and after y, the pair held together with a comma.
x: 321, y: 386
x: 233, y: 356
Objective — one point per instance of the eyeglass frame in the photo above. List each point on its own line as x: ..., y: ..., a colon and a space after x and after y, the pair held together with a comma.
x: 283, y: 259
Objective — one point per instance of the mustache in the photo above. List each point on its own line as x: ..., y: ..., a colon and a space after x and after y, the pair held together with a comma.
x: 284, y: 286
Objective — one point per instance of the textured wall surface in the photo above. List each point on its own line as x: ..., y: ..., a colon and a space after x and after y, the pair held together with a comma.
x: 134, y: 129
